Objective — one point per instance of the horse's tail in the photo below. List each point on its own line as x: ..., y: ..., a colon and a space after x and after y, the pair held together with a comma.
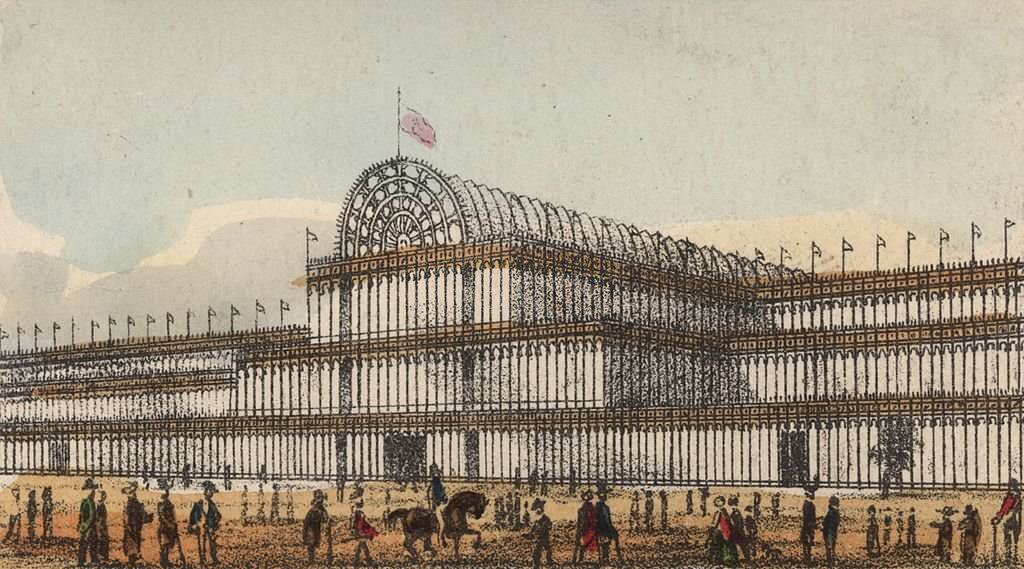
x: 395, y: 516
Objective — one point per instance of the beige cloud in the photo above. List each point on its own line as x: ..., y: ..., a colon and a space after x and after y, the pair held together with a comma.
x: 206, y: 221
x: 17, y: 236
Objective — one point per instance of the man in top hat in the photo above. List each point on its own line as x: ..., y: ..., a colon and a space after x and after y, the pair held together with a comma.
x: 87, y: 524
x: 541, y: 533
x: 944, y: 544
x: 135, y: 516
x: 167, y: 531
x: 808, y: 524
x: 606, y: 532
x: 586, y: 528
x: 1010, y: 510
x: 316, y: 522
x: 970, y: 535
x: 204, y: 522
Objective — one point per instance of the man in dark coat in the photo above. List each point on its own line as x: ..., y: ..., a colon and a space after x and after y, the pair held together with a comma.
x: 31, y: 511
x: 808, y: 525
x: 204, y: 523
x: 135, y: 516
x: 944, y: 543
x: 167, y: 530
x: 970, y: 535
x: 830, y: 530
x: 275, y: 505
x: 14, y: 520
x: 871, y: 533
x: 649, y: 511
x: 750, y: 532
x: 47, y: 513
x: 606, y: 532
x: 316, y: 522
x: 102, y: 529
x: 739, y: 536
x: 87, y: 524
x: 541, y: 533
x: 663, y: 501
x: 704, y: 493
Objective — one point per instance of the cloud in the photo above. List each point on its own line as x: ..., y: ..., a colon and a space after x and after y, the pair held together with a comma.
x: 17, y: 236
x: 204, y: 222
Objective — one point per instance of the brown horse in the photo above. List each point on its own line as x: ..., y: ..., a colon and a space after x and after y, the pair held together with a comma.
x: 454, y: 516
x: 417, y: 524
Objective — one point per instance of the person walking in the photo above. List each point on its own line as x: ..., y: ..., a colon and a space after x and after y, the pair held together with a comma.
x: 886, y: 528
x: 721, y: 539
x: 13, y: 534
x: 663, y: 501
x: 87, y: 524
x: 31, y: 511
x: 204, y: 523
x: 776, y: 503
x: 363, y: 532
x: 47, y: 513
x: 244, y: 515
x: 750, y: 533
x: 317, y: 521
x: 649, y: 511
x: 102, y: 528
x: 689, y: 502
x: 634, y: 512
x: 912, y: 529
x: 167, y: 527
x: 705, y: 492
x: 944, y: 543
x: 970, y: 535
x: 541, y: 534
x: 739, y: 536
x: 757, y: 506
x: 871, y: 533
x: 606, y: 532
x: 135, y: 516
x: 586, y: 528
x: 808, y: 525
x: 1009, y: 515
x: 830, y: 530
x: 275, y: 505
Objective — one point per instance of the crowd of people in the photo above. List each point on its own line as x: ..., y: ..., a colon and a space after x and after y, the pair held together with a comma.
x: 733, y: 535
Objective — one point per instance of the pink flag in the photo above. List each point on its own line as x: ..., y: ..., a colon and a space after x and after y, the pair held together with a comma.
x: 416, y: 126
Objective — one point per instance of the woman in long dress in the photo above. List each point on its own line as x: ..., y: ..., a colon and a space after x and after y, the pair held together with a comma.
x: 723, y: 546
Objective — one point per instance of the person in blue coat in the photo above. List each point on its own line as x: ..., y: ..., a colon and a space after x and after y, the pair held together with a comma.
x: 436, y: 492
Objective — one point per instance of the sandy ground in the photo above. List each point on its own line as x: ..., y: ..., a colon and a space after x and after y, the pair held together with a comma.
x: 279, y: 546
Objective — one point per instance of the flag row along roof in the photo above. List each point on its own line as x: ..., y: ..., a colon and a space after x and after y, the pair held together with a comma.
x: 405, y: 202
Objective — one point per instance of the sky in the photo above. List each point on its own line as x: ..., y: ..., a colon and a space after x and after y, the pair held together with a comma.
x: 125, y: 125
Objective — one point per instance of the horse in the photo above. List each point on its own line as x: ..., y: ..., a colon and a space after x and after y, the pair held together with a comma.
x: 417, y: 524
x: 454, y: 517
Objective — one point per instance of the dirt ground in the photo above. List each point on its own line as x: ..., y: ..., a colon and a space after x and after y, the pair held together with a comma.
x: 682, y: 544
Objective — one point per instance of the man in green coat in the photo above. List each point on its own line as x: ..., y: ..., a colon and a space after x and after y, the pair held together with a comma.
x: 87, y: 524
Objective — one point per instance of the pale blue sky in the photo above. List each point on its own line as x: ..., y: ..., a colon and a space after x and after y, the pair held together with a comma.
x: 118, y: 118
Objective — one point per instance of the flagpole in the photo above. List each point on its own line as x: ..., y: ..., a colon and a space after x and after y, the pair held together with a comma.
x: 72, y: 330
x: 398, y: 124
x: 972, y: 243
